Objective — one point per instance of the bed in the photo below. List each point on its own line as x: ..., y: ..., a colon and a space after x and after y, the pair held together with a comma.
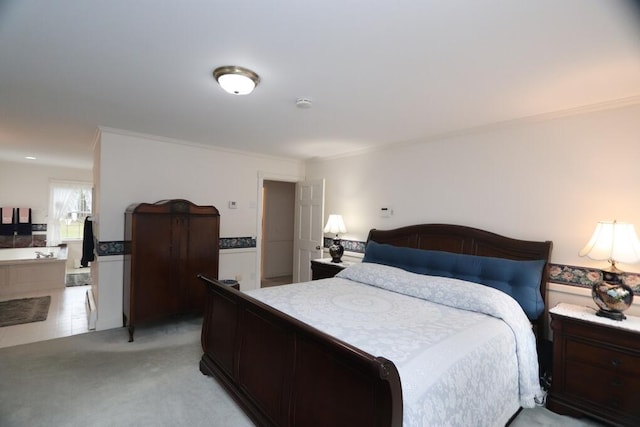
x: 400, y: 339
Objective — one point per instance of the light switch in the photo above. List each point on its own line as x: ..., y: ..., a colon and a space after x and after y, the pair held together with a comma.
x: 386, y: 212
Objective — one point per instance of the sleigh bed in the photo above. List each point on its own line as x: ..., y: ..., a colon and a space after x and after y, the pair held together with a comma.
x: 435, y: 326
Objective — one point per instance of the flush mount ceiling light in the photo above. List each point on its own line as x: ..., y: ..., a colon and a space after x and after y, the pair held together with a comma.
x: 236, y: 80
x: 303, y: 103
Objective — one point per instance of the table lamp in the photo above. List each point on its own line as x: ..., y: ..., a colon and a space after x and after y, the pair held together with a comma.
x: 615, y: 242
x: 335, y: 225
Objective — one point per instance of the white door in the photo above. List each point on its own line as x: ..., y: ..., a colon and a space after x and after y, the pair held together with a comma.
x: 308, y: 237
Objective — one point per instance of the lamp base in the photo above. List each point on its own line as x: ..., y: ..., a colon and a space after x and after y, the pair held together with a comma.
x: 613, y: 315
x: 612, y: 299
x: 612, y: 276
x: 336, y: 250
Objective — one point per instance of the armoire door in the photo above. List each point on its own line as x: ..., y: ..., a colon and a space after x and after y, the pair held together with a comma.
x: 154, y: 295
x: 201, y: 258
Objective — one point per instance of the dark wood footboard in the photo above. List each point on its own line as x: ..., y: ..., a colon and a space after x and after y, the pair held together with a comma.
x: 285, y: 373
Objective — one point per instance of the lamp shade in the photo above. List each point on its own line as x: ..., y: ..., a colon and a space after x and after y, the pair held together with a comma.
x: 615, y: 241
x: 335, y: 225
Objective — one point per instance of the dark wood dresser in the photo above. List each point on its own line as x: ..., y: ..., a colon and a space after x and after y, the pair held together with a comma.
x: 596, y: 366
x: 167, y: 244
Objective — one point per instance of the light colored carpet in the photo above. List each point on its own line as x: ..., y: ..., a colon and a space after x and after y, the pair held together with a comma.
x: 100, y: 379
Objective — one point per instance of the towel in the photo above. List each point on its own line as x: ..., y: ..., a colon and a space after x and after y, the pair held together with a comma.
x: 23, y: 223
x: 7, y: 215
x: 24, y: 215
x: 87, y: 243
x: 7, y: 227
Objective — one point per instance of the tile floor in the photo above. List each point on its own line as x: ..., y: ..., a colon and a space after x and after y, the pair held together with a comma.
x: 67, y: 316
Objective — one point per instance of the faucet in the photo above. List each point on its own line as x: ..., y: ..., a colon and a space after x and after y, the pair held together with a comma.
x: 40, y: 254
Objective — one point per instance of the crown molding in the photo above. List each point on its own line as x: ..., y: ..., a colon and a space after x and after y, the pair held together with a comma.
x: 490, y: 127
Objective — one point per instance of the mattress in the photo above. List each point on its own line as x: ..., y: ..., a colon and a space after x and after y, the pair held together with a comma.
x: 458, y: 350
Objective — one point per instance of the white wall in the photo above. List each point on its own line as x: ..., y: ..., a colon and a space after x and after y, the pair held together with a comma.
x: 27, y: 185
x: 550, y: 180
x: 539, y: 179
x: 136, y: 168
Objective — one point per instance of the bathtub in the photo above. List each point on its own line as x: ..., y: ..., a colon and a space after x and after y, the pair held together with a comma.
x: 22, y: 271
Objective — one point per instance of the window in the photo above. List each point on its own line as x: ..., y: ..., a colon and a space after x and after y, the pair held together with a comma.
x: 69, y: 206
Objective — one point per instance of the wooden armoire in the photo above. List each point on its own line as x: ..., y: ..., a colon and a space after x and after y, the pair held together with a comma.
x: 167, y: 244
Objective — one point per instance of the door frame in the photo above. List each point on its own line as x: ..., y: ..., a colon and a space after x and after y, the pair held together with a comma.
x: 266, y: 176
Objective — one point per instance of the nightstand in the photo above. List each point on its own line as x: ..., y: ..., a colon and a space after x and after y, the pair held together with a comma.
x: 324, y: 268
x: 596, y: 366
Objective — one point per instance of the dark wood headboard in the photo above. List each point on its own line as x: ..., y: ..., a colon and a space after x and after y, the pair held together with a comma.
x: 460, y: 239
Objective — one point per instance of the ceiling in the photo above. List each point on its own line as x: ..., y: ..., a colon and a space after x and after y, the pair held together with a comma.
x: 378, y: 72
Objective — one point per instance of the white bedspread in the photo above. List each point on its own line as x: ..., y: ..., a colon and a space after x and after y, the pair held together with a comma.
x: 452, y: 360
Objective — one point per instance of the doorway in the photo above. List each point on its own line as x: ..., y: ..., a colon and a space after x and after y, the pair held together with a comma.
x: 278, y: 214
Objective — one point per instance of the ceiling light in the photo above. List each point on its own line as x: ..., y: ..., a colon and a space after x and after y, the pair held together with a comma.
x: 236, y: 80
x: 29, y: 157
x: 303, y: 103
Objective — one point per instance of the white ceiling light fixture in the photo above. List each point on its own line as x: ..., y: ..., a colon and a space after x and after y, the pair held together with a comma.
x: 303, y: 103
x: 236, y: 80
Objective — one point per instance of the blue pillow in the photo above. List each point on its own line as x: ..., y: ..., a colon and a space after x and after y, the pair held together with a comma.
x: 519, y: 279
